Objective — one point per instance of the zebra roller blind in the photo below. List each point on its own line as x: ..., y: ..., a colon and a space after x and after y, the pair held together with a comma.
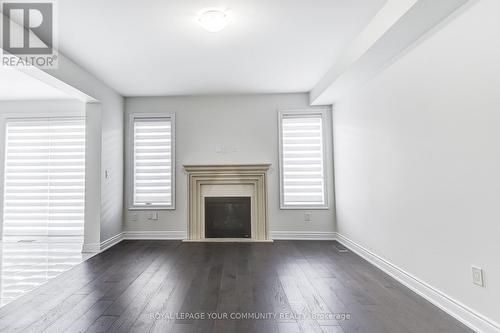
x: 302, y: 160
x: 44, y: 182
x: 153, y: 162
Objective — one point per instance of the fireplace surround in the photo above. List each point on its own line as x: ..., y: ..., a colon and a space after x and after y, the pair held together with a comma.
x: 242, y: 180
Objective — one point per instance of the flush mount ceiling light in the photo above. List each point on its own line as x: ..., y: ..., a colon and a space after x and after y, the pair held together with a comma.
x: 213, y: 20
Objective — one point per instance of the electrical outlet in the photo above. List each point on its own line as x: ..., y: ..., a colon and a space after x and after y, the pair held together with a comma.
x: 307, y: 217
x: 477, y: 276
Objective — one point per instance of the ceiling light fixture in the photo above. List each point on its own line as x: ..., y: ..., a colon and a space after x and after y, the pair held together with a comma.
x: 213, y: 20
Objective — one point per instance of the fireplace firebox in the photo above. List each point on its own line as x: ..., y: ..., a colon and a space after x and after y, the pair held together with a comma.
x: 228, y: 217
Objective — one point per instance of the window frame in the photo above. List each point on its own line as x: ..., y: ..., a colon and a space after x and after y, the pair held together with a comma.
x: 131, y: 168
x: 322, y: 113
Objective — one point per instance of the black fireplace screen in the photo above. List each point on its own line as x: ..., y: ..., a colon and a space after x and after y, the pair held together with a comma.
x: 227, y: 217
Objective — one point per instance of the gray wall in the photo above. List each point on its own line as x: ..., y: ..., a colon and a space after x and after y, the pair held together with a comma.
x: 112, y: 123
x: 417, y: 160
x: 247, y: 126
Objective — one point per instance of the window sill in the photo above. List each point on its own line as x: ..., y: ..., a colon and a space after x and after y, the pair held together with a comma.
x: 151, y: 208
x: 304, y: 208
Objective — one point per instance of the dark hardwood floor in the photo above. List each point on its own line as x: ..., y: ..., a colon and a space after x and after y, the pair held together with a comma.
x: 161, y: 286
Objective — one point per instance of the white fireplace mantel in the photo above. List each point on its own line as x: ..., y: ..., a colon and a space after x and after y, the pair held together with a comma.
x: 231, y: 180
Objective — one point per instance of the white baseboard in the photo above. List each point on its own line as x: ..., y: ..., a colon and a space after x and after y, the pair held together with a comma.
x: 456, y: 309
x: 111, y: 241
x: 91, y: 247
x: 155, y: 235
x: 303, y: 235
x: 179, y: 234
x: 106, y: 244
x: 176, y: 235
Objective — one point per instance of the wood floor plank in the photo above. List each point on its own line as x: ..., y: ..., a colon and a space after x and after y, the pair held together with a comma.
x: 58, y: 320
x: 180, y: 274
x: 41, y: 301
x: 102, y: 324
x: 146, y: 286
x: 139, y: 302
x: 86, y: 320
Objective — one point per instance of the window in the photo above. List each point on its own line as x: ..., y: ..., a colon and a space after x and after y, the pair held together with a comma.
x: 302, y: 160
x: 153, y: 161
x: 44, y: 181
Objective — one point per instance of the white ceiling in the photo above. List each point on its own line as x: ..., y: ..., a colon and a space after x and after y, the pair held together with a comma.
x: 16, y: 85
x: 156, y: 47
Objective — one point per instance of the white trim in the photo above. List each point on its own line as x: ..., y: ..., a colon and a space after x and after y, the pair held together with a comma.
x: 174, y: 235
x: 112, y: 241
x: 41, y: 114
x: 182, y: 235
x: 446, y: 303
x: 91, y: 248
x: 130, y: 157
x: 137, y: 235
x: 227, y: 240
x: 227, y: 176
x: 303, y: 235
x: 298, y: 112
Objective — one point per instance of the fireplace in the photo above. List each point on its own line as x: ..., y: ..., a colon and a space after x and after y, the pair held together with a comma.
x: 228, y: 217
x: 227, y: 203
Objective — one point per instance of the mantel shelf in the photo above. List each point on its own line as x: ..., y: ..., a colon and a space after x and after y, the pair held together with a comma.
x: 226, y: 167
